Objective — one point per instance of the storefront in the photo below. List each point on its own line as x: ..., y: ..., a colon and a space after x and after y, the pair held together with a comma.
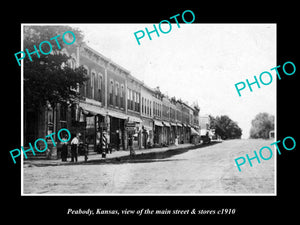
x: 116, y: 130
x: 158, y: 129
x: 100, y: 121
x: 147, y: 133
x: 173, y: 132
x: 92, y: 117
x: 166, y: 133
x: 137, y: 136
x: 186, y: 133
x: 116, y: 133
x: 179, y: 133
x: 195, y: 136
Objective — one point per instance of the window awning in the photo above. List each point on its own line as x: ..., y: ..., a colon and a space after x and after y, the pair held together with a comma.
x: 134, y: 119
x: 147, y: 128
x: 179, y: 125
x: 173, y: 124
x: 91, y: 110
x: 166, y: 124
x: 203, y: 132
x: 194, y: 132
x: 117, y: 114
x: 158, y: 123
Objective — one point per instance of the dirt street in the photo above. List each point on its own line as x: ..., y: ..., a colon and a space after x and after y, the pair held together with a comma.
x: 206, y: 170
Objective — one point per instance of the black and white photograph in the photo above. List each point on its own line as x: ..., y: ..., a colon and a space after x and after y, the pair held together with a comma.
x: 138, y: 112
x: 185, y: 112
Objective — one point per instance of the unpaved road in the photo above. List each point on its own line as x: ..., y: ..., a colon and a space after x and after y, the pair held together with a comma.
x: 206, y: 170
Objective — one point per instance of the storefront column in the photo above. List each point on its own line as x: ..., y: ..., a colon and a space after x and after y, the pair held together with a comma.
x: 95, y: 136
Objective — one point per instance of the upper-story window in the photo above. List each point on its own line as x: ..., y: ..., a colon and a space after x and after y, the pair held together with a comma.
x: 134, y: 100
x: 72, y: 63
x: 111, y: 90
x: 147, y: 107
x: 100, y: 83
x: 142, y: 105
x: 117, y: 94
x: 93, y: 75
x: 128, y: 98
x: 137, y: 102
x: 84, y: 86
x: 160, y: 106
x: 122, y: 96
x: 131, y: 99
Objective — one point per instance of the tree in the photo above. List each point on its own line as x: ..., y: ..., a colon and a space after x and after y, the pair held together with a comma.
x: 225, y: 127
x: 262, y: 124
x: 48, y: 79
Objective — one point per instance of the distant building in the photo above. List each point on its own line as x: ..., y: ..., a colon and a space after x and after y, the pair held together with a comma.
x: 204, y: 124
x: 147, y: 114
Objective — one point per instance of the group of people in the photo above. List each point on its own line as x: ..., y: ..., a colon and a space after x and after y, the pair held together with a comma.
x: 74, y: 148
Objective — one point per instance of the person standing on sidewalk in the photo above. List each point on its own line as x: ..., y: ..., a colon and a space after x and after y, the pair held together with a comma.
x: 74, y: 147
x: 118, y: 140
x: 64, y: 149
x: 130, y: 144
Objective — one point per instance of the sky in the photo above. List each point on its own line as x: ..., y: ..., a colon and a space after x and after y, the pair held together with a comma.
x: 197, y: 63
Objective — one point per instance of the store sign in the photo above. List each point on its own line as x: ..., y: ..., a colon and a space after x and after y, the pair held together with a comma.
x: 130, y: 124
x: 130, y: 127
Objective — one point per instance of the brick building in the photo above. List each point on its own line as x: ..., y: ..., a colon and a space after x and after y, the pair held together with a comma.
x: 110, y: 98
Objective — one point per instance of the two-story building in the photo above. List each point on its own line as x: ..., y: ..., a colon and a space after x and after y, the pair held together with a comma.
x: 133, y: 87
x: 166, y: 134
x: 173, y: 125
x: 104, y: 99
x: 110, y: 98
x: 147, y: 115
x: 157, y: 117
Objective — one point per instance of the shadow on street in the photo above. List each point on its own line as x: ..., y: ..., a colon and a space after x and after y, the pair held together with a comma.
x: 138, y: 158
